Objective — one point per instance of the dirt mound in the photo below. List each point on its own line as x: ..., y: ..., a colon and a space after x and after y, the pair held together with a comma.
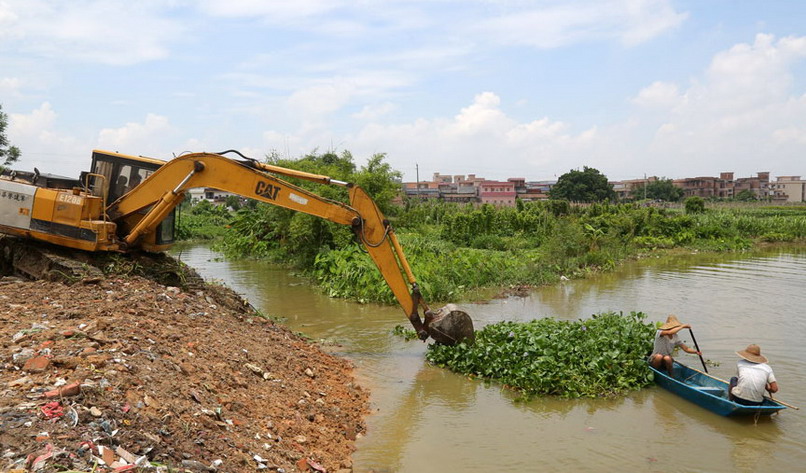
x: 125, y: 374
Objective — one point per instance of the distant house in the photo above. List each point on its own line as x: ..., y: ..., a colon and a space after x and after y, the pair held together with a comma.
x: 789, y: 189
x: 214, y: 196
x: 725, y: 186
x: 500, y: 194
x: 759, y: 185
x: 421, y: 190
x: 626, y: 189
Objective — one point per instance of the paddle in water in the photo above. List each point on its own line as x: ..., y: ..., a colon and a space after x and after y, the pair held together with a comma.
x: 698, y: 349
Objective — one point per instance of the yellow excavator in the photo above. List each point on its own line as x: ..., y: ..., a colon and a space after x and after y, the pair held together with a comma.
x: 127, y: 203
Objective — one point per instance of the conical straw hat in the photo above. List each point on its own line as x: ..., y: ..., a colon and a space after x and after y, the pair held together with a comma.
x: 671, y: 322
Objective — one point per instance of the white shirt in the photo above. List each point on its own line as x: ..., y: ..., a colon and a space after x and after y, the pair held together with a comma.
x: 665, y: 345
x: 753, y: 378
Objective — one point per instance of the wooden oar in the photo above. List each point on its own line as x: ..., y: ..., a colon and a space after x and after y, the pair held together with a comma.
x: 698, y: 349
x: 769, y: 397
x: 783, y: 403
x: 709, y: 375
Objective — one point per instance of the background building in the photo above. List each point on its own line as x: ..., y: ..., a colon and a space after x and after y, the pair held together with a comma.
x: 789, y: 189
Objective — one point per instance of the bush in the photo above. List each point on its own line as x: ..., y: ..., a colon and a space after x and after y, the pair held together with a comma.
x: 695, y: 205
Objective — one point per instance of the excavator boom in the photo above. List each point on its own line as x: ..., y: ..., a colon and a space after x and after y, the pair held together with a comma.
x: 136, y: 217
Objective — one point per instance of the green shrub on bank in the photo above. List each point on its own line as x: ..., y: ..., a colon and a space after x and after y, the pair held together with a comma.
x: 444, y: 271
x: 202, y: 221
x: 600, y: 356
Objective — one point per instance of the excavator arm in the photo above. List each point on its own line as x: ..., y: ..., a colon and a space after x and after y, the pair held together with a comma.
x: 139, y: 211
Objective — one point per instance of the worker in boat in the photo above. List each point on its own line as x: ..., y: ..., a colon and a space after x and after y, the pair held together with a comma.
x: 666, y: 340
x: 754, y: 377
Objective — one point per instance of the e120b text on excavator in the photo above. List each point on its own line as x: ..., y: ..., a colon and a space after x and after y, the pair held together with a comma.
x: 127, y: 203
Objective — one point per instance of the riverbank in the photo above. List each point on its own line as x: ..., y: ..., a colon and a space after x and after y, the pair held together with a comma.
x: 127, y: 371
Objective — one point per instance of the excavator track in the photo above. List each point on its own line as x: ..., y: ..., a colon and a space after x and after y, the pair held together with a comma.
x: 37, y: 261
x: 42, y: 261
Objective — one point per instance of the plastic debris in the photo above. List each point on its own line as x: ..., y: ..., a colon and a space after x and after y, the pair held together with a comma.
x: 53, y: 410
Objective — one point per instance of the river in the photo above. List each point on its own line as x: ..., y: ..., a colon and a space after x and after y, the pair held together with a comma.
x: 426, y: 419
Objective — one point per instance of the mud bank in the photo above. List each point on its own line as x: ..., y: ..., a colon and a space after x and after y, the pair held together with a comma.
x: 126, y: 374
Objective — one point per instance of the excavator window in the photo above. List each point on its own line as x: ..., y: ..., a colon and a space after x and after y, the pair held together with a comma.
x: 123, y: 173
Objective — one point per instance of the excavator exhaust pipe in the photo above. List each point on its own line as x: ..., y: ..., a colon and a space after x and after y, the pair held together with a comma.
x: 450, y: 325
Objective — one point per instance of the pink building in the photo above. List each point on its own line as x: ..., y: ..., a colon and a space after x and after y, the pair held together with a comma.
x: 501, y: 194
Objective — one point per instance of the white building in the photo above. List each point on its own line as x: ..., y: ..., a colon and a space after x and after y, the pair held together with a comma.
x: 209, y: 194
x: 789, y: 189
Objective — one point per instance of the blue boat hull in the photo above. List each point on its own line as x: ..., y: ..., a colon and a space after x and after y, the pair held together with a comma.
x: 709, y: 392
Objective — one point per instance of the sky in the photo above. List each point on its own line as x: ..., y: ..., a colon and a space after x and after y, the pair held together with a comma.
x: 496, y: 88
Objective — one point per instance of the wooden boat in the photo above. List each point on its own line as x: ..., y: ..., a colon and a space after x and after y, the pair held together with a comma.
x: 709, y: 392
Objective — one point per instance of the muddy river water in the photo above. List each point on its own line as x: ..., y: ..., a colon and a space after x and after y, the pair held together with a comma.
x: 426, y: 419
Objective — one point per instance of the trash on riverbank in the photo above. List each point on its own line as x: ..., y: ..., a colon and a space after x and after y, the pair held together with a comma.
x: 128, y: 374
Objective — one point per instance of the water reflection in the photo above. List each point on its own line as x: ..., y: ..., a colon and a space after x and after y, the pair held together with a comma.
x: 755, y: 443
x: 431, y: 390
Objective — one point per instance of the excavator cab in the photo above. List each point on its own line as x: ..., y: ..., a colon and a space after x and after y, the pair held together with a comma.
x: 122, y: 173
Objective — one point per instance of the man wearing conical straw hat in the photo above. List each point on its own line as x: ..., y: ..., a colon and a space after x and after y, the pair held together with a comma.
x: 755, y: 377
x: 665, y: 341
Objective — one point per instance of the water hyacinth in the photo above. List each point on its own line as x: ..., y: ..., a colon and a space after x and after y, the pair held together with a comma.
x: 600, y: 356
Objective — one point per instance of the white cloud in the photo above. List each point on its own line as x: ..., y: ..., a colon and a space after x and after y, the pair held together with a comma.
x: 646, y: 19
x: 7, y: 19
x: 280, y: 10
x: 10, y: 86
x: 147, y: 138
x: 480, y: 139
x: 559, y: 23
x: 43, y: 146
x: 33, y: 124
x: 375, y: 111
x: 483, y: 116
x: 112, y: 32
x: 336, y: 18
x: 658, y: 95
x: 321, y: 98
x: 741, y: 115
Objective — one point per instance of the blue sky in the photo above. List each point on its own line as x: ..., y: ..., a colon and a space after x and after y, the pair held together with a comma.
x: 497, y: 88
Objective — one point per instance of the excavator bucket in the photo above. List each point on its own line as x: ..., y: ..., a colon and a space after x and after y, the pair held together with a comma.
x: 450, y: 325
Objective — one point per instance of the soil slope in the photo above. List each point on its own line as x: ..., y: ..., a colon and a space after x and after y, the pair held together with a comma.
x: 125, y: 373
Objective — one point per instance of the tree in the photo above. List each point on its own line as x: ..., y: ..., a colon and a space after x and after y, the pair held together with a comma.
x: 233, y: 202
x: 380, y: 181
x: 663, y: 189
x: 746, y: 196
x: 588, y: 185
x: 9, y: 154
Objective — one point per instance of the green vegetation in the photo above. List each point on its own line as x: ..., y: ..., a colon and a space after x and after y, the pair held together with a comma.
x: 8, y: 154
x: 661, y: 189
x: 695, y: 205
x: 746, y: 196
x: 588, y: 185
x: 203, y: 221
x: 456, y: 249
x: 600, y: 356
